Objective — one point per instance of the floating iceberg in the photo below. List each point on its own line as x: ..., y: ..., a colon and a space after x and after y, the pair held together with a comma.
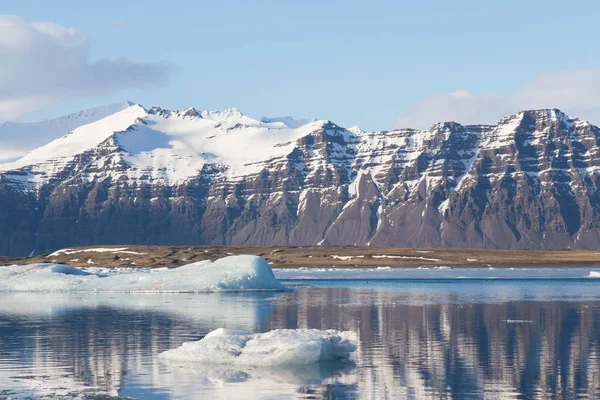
x: 594, y: 274
x: 230, y: 273
x: 275, y: 348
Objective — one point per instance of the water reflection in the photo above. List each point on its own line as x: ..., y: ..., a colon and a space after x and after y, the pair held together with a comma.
x: 219, y: 381
x: 417, y: 340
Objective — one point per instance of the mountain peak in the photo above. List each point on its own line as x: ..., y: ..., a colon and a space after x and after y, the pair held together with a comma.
x: 541, y: 113
x: 229, y: 113
x: 287, y: 121
x: 355, y: 129
x: 19, y: 138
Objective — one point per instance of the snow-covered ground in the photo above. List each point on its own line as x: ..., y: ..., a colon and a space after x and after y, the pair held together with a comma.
x: 273, y: 348
x: 229, y: 273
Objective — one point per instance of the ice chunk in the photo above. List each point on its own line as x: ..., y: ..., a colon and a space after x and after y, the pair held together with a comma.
x: 67, y: 270
x: 229, y: 273
x: 273, y: 348
x: 594, y: 274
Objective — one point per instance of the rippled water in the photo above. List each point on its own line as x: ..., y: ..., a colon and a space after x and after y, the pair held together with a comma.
x: 418, y: 339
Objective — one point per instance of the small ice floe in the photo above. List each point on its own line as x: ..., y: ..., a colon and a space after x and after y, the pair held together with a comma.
x: 274, y: 348
x: 384, y: 268
x: 518, y: 321
x: 594, y: 274
x: 235, y: 273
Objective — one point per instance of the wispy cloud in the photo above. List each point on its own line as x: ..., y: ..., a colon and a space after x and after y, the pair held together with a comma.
x: 574, y: 92
x: 43, y: 63
x: 118, y: 24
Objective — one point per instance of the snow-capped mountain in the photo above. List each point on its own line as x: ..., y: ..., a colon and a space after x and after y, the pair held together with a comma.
x: 18, y: 138
x: 158, y: 176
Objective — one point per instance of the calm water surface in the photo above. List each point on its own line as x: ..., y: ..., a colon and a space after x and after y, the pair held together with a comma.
x: 418, y: 339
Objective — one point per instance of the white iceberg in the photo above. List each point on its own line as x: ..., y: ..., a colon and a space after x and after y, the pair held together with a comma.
x: 594, y: 274
x: 274, y: 348
x: 234, y: 273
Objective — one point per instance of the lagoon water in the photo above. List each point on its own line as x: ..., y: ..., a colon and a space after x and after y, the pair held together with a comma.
x: 419, y: 339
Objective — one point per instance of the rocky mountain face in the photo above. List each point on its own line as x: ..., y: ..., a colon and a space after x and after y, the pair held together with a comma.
x: 200, y: 177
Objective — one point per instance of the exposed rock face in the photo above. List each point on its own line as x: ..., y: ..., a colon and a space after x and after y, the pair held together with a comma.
x: 198, y: 177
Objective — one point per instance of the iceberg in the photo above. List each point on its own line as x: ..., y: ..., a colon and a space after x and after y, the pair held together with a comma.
x: 594, y: 274
x: 234, y: 273
x: 279, y: 347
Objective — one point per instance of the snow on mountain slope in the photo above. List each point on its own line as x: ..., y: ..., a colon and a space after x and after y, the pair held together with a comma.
x: 18, y: 138
x: 288, y: 122
x: 229, y: 138
x: 171, y: 146
x: 48, y: 163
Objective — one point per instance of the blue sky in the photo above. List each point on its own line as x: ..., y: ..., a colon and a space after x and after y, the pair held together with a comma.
x: 376, y: 64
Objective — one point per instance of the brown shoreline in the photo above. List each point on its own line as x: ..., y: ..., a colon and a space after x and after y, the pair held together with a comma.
x: 315, y: 256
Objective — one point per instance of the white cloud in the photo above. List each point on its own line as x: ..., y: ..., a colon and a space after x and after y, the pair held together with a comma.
x: 574, y: 92
x: 45, y: 63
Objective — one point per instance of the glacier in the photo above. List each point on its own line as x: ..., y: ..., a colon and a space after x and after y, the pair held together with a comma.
x: 234, y: 273
x: 279, y: 347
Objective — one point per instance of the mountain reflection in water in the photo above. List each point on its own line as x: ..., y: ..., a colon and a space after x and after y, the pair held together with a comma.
x: 417, y: 340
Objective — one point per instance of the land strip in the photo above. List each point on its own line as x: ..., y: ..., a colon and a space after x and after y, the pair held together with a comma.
x: 315, y: 256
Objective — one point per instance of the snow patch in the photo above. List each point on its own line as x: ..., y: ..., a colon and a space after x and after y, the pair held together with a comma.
x: 97, y: 250
x: 343, y: 258
x: 409, y: 257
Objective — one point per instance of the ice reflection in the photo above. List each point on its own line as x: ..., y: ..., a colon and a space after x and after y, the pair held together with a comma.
x: 417, y: 340
x: 222, y: 381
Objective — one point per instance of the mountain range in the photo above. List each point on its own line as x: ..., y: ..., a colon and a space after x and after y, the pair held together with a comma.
x: 124, y: 174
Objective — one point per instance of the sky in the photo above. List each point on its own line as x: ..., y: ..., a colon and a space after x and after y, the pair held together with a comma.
x: 376, y: 64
